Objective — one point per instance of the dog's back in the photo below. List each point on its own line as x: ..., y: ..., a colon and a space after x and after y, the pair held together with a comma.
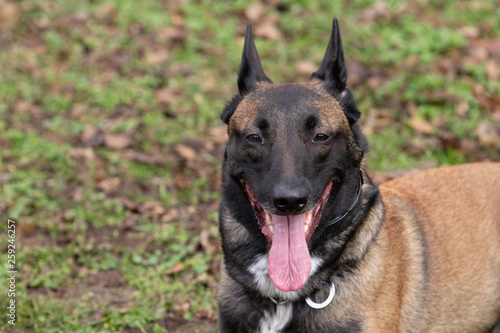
x: 457, y: 221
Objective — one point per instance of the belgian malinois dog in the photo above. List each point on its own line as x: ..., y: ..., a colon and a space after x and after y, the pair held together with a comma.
x: 311, y: 244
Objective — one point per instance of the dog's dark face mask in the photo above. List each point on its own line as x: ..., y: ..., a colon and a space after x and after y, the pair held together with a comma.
x: 287, y: 153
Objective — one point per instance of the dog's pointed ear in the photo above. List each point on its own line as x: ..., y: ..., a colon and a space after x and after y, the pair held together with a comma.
x: 251, y: 70
x: 249, y: 74
x: 333, y: 73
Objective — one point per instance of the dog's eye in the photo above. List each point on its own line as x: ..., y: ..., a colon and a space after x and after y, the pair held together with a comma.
x: 320, y: 137
x: 254, y: 139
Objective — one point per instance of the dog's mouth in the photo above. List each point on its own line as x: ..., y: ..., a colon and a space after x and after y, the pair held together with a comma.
x: 289, y: 262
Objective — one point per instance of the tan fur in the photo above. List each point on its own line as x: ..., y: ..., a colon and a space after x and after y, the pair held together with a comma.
x: 448, y: 217
x: 246, y: 113
x: 459, y: 210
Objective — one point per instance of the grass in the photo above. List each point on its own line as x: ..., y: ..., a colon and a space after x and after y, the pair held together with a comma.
x: 123, y: 236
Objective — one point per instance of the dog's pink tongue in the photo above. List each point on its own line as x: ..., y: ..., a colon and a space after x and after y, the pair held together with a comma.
x: 289, y: 262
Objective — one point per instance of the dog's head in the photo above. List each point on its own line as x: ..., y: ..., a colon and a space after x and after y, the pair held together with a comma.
x: 294, y: 152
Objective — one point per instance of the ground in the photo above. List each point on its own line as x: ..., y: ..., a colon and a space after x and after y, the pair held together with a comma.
x: 111, y: 143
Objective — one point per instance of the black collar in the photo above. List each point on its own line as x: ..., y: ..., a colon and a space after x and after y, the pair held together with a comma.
x: 354, y: 204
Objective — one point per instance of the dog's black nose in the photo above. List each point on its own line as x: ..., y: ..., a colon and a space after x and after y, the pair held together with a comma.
x: 289, y: 201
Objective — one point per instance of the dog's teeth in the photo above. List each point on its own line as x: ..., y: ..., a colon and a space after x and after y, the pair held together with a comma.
x: 308, y: 217
x: 269, y: 218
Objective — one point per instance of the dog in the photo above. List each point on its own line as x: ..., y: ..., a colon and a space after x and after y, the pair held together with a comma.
x: 311, y: 244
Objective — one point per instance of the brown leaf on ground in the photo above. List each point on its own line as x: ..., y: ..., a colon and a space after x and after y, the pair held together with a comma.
x: 106, y: 12
x: 173, y: 35
x: 461, y: 109
x: 487, y: 47
x: 152, y: 209
x: 306, y: 68
x: 9, y: 14
x: 489, y: 102
x: 146, y: 158
x: 468, y: 146
x: 27, y: 229
x: 170, y: 215
x: 155, y: 57
x: 381, y: 10
x: 357, y: 72
x: 182, y: 182
x: 187, y: 153
x: 92, y: 136
x: 448, y: 140
x: 470, y: 32
x: 127, y: 224
x: 492, y: 70
x: 205, y: 241
x: 255, y: 11
x: 86, y: 154
x: 182, y: 308
x: 178, y: 267
x: 418, y: 146
x: 165, y: 95
x: 218, y: 134
x: 117, y: 141
x: 77, y: 194
x: 128, y: 204
x: 421, y: 125
x: 268, y: 29
x: 109, y: 185
x: 488, y: 134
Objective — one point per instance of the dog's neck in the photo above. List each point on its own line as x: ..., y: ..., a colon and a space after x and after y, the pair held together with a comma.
x: 335, y: 222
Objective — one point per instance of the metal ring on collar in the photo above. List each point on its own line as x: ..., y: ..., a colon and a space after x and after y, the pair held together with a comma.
x: 314, y: 305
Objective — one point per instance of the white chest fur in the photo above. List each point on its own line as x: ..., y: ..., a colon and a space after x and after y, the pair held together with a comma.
x: 276, y: 321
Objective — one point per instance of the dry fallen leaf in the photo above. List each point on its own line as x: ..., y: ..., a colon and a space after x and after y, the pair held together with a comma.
x: 306, y: 68
x: 164, y: 95
x: 92, y: 136
x: 178, y: 267
x: 205, y: 241
x: 186, y: 152
x: 488, y: 134
x: 9, y: 14
x: 181, y: 308
x: 77, y: 194
x: 129, y: 204
x: 83, y: 153
x: 268, y: 29
x: 117, y: 141
x: 492, y: 70
x: 421, y: 125
x: 471, y: 32
x: 152, y: 209
x: 106, y: 12
x: 157, y: 57
x: 490, y: 46
x: 109, y: 185
x: 27, y: 229
x: 127, y: 224
x: 255, y: 11
x: 171, y: 215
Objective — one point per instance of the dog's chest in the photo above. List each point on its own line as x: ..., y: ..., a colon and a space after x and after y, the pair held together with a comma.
x: 275, y: 321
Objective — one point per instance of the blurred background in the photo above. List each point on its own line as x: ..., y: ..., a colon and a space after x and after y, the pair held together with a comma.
x: 111, y: 143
